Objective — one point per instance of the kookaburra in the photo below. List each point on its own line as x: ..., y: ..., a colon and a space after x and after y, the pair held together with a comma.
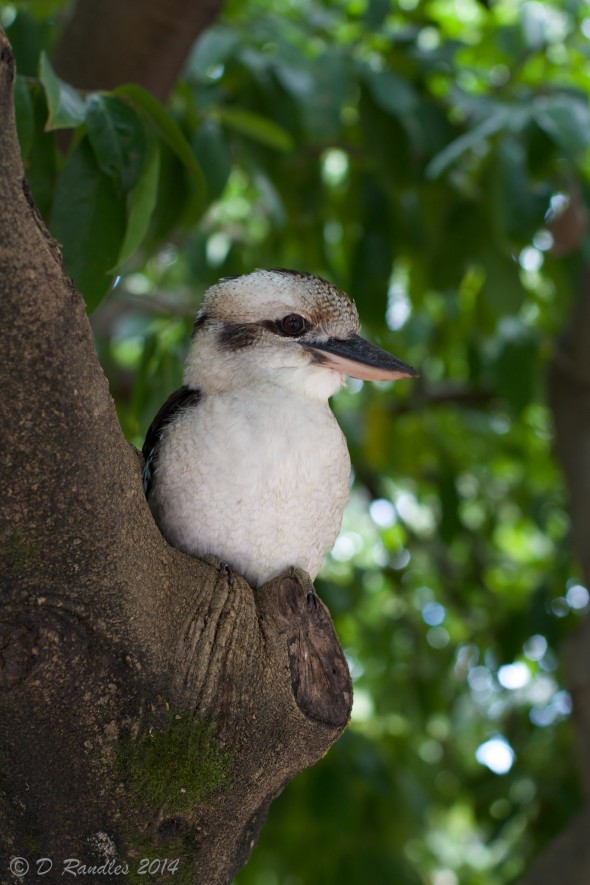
x: 246, y: 461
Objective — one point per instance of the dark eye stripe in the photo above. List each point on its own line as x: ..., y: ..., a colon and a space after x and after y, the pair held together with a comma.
x: 235, y: 336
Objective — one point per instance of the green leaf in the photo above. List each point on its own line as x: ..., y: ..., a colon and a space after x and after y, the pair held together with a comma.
x: 66, y: 108
x: 41, y: 162
x: 169, y: 131
x: 502, y: 287
x: 393, y: 94
x: 517, y: 364
x: 213, y: 154
x: 375, y: 13
x: 451, y: 153
x: 173, y: 194
x: 118, y: 138
x: 28, y: 34
x: 88, y: 220
x: 331, y: 74
x: 517, y: 202
x: 566, y: 120
x: 390, y: 92
x: 372, y: 258
x: 380, y: 130
x: 213, y: 48
x: 255, y: 126
x: 450, y: 522
x: 23, y: 110
x: 141, y: 203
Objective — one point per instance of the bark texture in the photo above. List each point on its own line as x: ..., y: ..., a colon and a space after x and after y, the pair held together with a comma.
x: 139, y: 41
x: 149, y: 707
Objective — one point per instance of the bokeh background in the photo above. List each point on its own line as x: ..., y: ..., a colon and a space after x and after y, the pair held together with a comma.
x: 431, y: 158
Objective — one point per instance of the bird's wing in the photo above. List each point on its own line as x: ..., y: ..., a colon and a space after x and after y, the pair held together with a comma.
x: 182, y: 398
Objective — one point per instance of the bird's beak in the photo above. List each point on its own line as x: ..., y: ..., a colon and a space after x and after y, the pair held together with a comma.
x: 359, y: 358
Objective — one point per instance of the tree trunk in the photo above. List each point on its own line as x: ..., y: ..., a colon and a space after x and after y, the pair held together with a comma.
x: 150, y: 708
x: 139, y: 41
x: 567, y: 858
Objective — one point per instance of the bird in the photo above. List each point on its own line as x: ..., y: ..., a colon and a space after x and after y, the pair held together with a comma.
x: 246, y: 462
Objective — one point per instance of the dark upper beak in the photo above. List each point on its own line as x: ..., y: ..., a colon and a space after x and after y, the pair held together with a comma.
x: 359, y: 358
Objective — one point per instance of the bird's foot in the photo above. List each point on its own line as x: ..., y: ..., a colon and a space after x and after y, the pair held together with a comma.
x: 221, y: 566
x: 306, y: 583
x: 226, y: 569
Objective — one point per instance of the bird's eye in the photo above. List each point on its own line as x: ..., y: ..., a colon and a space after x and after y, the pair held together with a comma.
x: 293, y: 324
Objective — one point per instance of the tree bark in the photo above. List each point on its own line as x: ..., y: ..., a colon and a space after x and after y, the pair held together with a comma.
x: 567, y: 858
x: 139, y: 41
x: 149, y: 706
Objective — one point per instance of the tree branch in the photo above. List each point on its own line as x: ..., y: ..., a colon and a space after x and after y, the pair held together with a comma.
x: 139, y: 41
x: 124, y: 663
x: 444, y: 394
x: 567, y: 858
x: 569, y: 397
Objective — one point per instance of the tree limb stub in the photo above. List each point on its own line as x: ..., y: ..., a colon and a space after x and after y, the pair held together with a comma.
x: 148, y: 706
x: 140, y: 41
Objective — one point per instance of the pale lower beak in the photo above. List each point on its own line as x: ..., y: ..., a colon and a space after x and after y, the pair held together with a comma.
x: 359, y: 358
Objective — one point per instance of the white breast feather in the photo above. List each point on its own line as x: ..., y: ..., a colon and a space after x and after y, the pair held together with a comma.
x: 254, y: 479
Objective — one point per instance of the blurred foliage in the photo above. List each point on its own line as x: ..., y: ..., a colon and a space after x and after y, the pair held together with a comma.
x: 411, y: 153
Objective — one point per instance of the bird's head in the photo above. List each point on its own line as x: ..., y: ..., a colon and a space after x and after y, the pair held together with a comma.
x: 284, y: 327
